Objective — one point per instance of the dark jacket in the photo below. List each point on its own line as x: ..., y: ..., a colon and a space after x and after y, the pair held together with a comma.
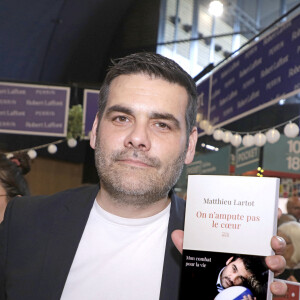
x: 39, y: 238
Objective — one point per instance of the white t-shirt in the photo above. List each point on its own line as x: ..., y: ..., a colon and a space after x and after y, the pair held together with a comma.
x: 118, y: 258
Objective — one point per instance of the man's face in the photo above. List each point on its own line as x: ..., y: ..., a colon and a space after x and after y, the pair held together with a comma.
x: 293, y: 207
x: 234, y: 273
x: 140, y: 146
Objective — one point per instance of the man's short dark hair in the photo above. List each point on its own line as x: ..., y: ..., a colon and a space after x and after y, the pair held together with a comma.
x: 257, y: 267
x: 156, y: 66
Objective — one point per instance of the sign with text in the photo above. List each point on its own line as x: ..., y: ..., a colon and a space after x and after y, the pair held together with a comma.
x: 283, y: 156
x: 34, y: 109
x: 258, y: 77
x: 90, y: 108
x: 246, y: 159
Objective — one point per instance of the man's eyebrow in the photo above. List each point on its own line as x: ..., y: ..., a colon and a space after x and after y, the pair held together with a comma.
x: 166, y: 116
x: 153, y: 115
x: 119, y: 108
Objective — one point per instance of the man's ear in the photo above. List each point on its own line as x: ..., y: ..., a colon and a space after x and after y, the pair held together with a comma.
x: 191, y: 146
x: 94, y: 132
x: 229, y: 261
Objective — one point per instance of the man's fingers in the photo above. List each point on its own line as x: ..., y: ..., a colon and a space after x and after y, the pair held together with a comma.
x: 278, y: 245
x: 177, y: 238
x: 278, y: 288
x: 276, y: 263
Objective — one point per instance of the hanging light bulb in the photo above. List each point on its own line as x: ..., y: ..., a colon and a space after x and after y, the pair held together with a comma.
x: 52, y: 149
x: 248, y: 140
x: 226, y: 136
x: 199, y: 117
x: 72, y: 143
x: 209, y: 129
x: 273, y: 135
x: 260, y: 139
x: 236, y: 140
x: 218, y: 134
x: 291, y: 130
x: 203, y: 124
x: 32, y: 154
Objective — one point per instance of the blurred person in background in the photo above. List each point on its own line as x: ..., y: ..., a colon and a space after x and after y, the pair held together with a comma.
x: 285, y: 218
x: 290, y: 231
x: 293, y: 206
x: 12, y: 181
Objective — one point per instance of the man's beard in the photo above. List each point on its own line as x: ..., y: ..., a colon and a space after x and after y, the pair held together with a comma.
x: 132, y: 185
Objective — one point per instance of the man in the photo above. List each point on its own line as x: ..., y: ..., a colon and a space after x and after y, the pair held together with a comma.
x: 243, y: 270
x: 293, y: 207
x: 115, y: 242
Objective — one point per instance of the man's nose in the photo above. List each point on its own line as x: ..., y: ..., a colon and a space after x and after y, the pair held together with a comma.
x: 138, y: 137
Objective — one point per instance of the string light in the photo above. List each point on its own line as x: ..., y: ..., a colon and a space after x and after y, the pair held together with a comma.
x: 291, y: 130
x: 72, y: 143
x: 32, y: 152
x: 236, y: 140
x: 258, y: 137
x: 248, y: 140
x: 273, y: 135
x: 52, y: 148
x: 227, y: 136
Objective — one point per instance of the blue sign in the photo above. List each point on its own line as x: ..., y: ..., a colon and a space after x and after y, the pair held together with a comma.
x: 258, y: 77
x: 34, y: 109
x: 90, y: 109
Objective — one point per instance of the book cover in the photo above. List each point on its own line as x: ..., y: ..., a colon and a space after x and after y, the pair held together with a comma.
x: 229, y: 223
x: 293, y: 290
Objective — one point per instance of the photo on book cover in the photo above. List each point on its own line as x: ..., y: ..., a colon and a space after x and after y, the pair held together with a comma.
x: 223, y: 276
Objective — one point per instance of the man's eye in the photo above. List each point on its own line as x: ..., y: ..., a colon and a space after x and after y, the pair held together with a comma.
x: 162, y: 125
x: 121, y: 119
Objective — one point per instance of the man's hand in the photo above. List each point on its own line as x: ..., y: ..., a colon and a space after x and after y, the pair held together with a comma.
x: 177, y: 238
x: 276, y: 263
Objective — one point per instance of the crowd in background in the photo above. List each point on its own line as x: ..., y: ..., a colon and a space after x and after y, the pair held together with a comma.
x: 289, y: 229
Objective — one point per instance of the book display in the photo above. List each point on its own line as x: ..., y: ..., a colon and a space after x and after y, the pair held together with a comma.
x: 229, y: 223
